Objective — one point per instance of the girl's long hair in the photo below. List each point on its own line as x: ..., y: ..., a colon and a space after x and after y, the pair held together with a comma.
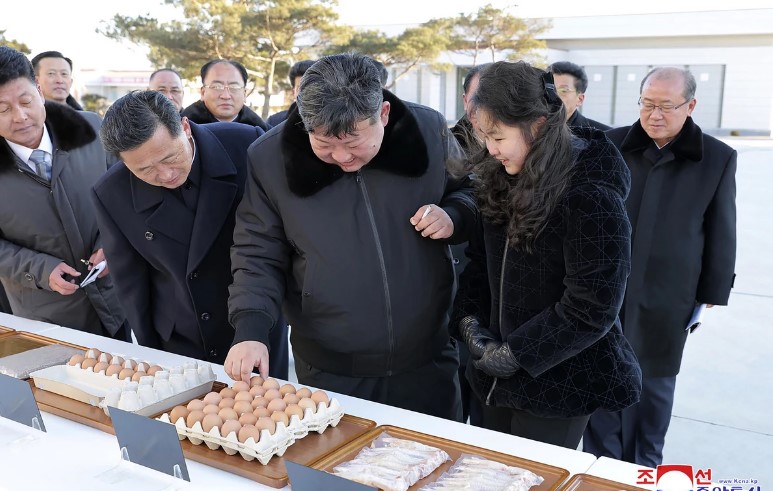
x: 519, y: 95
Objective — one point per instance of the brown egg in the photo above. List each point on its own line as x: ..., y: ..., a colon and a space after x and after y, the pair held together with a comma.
x: 228, y: 393
x: 291, y: 399
x: 265, y: 423
x: 100, y: 367
x: 152, y: 370
x: 210, y: 421
x: 272, y: 394
x: 280, y: 417
x: 308, y: 403
x: 226, y: 402
x: 242, y: 407
x: 257, y: 391
x: 137, y: 376
x: 196, y: 405
x: 243, y: 396
x: 178, y: 412
x: 240, y: 386
x: 259, y: 402
x: 287, y: 389
x: 229, y: 427
x: 248, y: 419
x: 270, y: 383
x: 213, y: 398
x: 261, y: 412
x: 130, y: 364
x: 294, y: 410
x: 276, y: 405
x: 105, y: 357
x: 93, y: 353
x: 75, y: 360
x: 249, y: 431
x: 125, y: 373
x: 88, y: 363
x: 227, y: 413
x: 304, y: 392
x: 320, y: 396
x: 193, y: 417
x: 113, y: 370
x: 211, y: 409
x: 142, y: 367
x: 256, y: 381
x: 117, y: 360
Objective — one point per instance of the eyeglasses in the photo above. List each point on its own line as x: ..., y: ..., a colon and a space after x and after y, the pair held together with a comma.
x: 564, y: 90
x: 219, y: 88
x: 664, y: 108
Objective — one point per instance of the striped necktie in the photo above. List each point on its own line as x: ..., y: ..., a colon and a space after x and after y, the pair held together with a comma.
x: 42, y: 161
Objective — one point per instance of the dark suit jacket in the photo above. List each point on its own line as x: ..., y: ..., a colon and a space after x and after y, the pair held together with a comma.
x: 682, y: 209
x: 579, y: 121
x: 172, y: 271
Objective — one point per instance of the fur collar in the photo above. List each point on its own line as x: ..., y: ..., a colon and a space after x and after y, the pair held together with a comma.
x: 688, y: 144
x: 68, y: 129
x: 198, y: 113
x: 403, y: 151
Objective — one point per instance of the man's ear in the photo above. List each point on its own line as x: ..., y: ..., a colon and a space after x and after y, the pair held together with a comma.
x: 385, y: 106
x: 580, y: 99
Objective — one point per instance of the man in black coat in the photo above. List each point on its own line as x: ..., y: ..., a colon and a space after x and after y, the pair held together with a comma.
x: 682, y: 209
x: 166, y: 215
x: 223, y: 96
x: 571, y: 84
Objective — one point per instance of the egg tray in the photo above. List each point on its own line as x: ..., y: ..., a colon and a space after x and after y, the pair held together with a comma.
x: 268, y: 444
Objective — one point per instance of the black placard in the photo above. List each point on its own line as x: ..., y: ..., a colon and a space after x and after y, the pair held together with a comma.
x: 18, y: 404
x: 150, y: 443
x: 304, y: 478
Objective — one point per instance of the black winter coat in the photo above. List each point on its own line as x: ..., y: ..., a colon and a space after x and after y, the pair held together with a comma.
x: 579, y: 121
x: 682, y: 209
x: 365, y: 293
x: 557, y: 307
x: 198, y: 113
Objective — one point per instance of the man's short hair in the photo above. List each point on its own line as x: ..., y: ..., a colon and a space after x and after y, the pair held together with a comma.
x: 49, y: 54
x: 13, y: 65
x: 133, y: 119
x: 172, y: 70
x: 338, y: 92
x: 667, y: 72
x: 474, y: 71
x: 205, y: 69
x: 298, y: 69
x: 576, y: 71
x: 382, y: 71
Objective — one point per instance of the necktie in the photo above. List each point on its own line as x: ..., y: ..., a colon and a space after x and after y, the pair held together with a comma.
x: 42, y: 160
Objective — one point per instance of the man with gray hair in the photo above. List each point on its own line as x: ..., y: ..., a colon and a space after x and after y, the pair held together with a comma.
x: 682, y: 210
x: 166, y: 214
x: 346, y: 224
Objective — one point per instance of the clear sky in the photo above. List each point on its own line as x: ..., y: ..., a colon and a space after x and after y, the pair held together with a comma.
x: 70, y: 26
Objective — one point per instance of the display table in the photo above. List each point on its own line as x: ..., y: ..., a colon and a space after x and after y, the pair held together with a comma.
x: 21, y: 324
x: 617, y: 470
x: 72, y: 453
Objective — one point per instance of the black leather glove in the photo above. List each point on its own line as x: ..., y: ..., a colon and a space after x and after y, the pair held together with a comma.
x: 476, y: 337
x: 498, y: 361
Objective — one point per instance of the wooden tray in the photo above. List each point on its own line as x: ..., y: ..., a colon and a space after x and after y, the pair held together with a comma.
x: 15, y: 342
x: 4, y: 329
x: 585, y: 482
x: 553, y: 476
x: 305, y: 451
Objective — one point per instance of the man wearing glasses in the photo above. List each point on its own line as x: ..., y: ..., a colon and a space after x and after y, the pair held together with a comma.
x: 169, y: 83
x: 223, y: 96
x: 682, y: 210
x: 571, y: 83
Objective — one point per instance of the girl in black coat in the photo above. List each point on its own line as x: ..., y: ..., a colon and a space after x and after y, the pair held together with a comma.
x: 538, y: 305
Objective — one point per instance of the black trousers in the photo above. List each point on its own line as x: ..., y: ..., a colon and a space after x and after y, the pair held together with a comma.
x: 635, y: 434
x: 564, y: 432
x: 5, y: 305
x: 430, y: 389
x: 471, y: 405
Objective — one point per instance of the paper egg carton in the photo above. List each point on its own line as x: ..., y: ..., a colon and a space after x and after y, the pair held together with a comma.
x: 150, y: 395
x: 268, y: 444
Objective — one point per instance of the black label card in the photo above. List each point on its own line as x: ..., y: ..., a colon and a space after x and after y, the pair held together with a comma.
x: 304, y: 478
x: 18, y: 404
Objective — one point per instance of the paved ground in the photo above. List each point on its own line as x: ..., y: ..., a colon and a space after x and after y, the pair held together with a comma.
x: 724, y: 397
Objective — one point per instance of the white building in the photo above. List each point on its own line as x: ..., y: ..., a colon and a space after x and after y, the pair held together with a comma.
x: 729, y: 52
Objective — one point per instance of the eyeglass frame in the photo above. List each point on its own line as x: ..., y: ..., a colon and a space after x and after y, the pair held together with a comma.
x: 225, y: 87
x: 565, y: 90
x: 666, y: 110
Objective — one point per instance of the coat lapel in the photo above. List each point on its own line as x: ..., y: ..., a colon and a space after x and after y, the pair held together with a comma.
x: 216, y: 196
x: 169, y: 218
